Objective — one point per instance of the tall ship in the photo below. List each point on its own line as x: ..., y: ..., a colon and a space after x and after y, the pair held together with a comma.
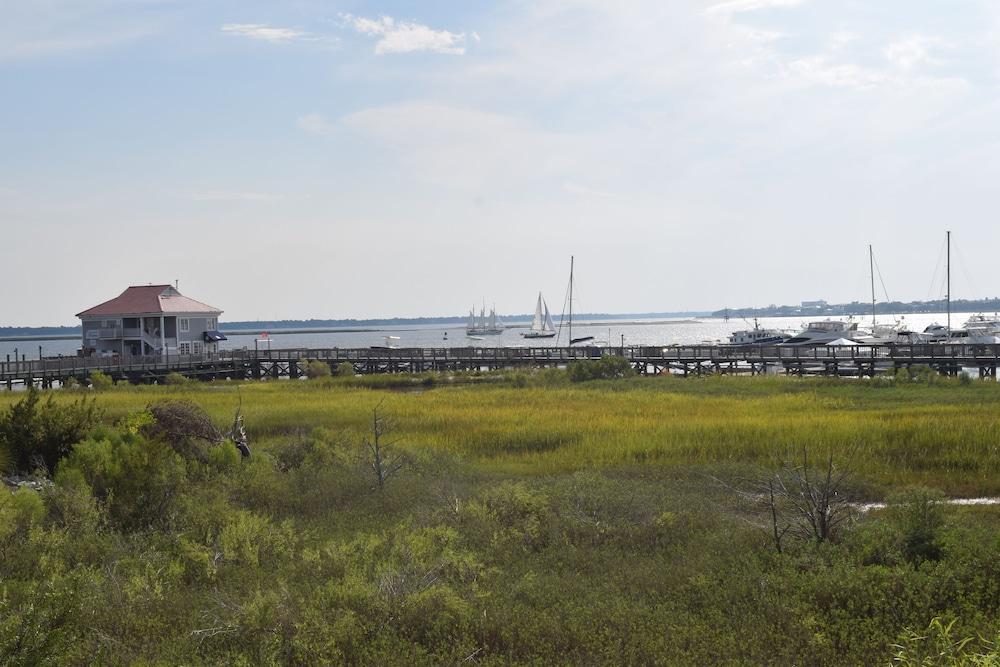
x: 541, y: 324
x: 483, y: 324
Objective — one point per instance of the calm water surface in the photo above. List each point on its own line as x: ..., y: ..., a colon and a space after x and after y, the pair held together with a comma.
x: 634, y: 332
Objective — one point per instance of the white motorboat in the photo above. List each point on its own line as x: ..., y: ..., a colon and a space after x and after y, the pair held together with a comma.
x: 981, y: 324
x: 822, y: 332
x: 757, y: 336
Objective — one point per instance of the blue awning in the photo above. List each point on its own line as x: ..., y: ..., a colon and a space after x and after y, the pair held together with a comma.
x: 213, y: 337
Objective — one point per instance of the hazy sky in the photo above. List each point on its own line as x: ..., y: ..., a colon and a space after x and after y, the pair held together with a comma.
x: 354, y: 159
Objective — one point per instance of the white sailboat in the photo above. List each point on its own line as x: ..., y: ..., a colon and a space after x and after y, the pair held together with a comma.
x: 541, y: 324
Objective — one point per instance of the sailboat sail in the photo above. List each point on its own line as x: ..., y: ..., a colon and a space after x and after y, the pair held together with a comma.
x: 537, y: 322
x: 541, y: 324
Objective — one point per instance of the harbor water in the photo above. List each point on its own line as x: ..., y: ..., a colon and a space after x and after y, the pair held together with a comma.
x: 654, y: 332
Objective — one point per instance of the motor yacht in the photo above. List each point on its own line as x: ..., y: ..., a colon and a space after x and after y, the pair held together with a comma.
x: 822, y: 332
x: 757, y: 336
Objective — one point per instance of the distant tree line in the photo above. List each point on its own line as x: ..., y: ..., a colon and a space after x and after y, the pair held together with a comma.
x: 861, y: 308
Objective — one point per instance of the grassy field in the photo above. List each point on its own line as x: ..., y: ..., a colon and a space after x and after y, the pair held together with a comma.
x: 536, y: 521
x: 945, y: 435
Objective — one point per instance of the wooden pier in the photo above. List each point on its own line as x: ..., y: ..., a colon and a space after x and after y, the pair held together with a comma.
x: 848, y: 360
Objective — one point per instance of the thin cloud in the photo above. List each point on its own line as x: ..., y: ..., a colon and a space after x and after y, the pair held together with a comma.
x: 406, y: 36
x: 264, y: 32
x: 314, y: 123
x: 737, y: 6
x: 234, y: 195
x: 912, y: 51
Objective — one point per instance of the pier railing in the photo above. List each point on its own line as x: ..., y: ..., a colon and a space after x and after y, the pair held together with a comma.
x: 496, y: 357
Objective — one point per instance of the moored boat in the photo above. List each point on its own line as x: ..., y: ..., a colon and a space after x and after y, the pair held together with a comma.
x: 822, y: 332
x: 757, y: 336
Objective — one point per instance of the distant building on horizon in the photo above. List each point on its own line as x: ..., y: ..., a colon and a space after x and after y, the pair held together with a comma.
x: 814, y: 304
x: 150, y: 320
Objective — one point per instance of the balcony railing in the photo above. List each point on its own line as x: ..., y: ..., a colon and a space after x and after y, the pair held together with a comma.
x: 112, y: 333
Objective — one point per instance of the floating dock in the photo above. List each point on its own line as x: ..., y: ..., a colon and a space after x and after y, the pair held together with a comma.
x: 848, y: 360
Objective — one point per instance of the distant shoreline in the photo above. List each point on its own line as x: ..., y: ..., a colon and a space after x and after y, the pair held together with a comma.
x: 238, y: 328
x: 281, y: 331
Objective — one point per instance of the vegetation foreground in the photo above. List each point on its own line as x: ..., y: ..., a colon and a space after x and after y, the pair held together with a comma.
x: 510, y: 518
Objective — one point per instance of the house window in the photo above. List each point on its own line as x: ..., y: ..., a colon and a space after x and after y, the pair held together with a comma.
x: 110, y: 324
x: 196, y: 347
x: 184, y: 348
x: 185, y: 324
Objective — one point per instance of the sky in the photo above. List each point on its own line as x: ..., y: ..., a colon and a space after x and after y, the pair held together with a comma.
x: 348, y: 159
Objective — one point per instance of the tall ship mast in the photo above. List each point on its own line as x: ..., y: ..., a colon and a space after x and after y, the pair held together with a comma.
x: 483, y: 324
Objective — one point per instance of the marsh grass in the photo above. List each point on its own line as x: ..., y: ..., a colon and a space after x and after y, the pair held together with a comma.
x: 541, y: 522
x: 945, y: 435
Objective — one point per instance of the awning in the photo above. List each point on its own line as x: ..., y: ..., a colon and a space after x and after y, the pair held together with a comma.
x: 213, y: 336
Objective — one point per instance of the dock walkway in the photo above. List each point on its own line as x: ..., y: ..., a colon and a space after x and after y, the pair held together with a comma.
x: 850, y: 360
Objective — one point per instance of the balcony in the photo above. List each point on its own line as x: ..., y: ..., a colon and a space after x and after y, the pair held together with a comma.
x: 113, y: 333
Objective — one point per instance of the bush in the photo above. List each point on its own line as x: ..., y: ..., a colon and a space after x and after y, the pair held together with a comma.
x: 137, y: 479
x: 509, y: 515
x: 176, y: 379
x: 39, y: 434
x: 605, y: 368
x: 918, y: 514
x: 918, y: 375
x: 18, y: 512
x: 345, y: 369
x: 101, y: 381
x: 183, y: 425
x: 316, y: 369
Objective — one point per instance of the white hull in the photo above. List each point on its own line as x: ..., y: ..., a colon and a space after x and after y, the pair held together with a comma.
x: 823, y: 332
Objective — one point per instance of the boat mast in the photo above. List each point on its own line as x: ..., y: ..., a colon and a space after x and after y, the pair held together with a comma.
x: 571, y: 300
x: 871, y: 268
x: 948, y: 288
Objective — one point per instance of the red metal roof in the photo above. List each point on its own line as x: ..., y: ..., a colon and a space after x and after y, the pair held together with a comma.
x: 149, y: 300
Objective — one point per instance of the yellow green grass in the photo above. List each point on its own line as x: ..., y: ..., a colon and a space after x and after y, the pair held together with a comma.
x: 946, y: 435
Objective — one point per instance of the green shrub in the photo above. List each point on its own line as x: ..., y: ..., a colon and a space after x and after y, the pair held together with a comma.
x: 508, y: 515
x: 38, y: 434
x: 918, y: 514
x: 252, y: 540
x: 345, y: 369
x: 137, y: 479
x: 18, y: 512
x: 919, y: 374
x: 605, y: 368
x: 101, y: 381
x: 316, y: 369
x: 224, y: 457
x: 176, y: 379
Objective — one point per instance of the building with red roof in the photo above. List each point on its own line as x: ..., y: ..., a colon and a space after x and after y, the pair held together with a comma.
x: 147, y: 320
